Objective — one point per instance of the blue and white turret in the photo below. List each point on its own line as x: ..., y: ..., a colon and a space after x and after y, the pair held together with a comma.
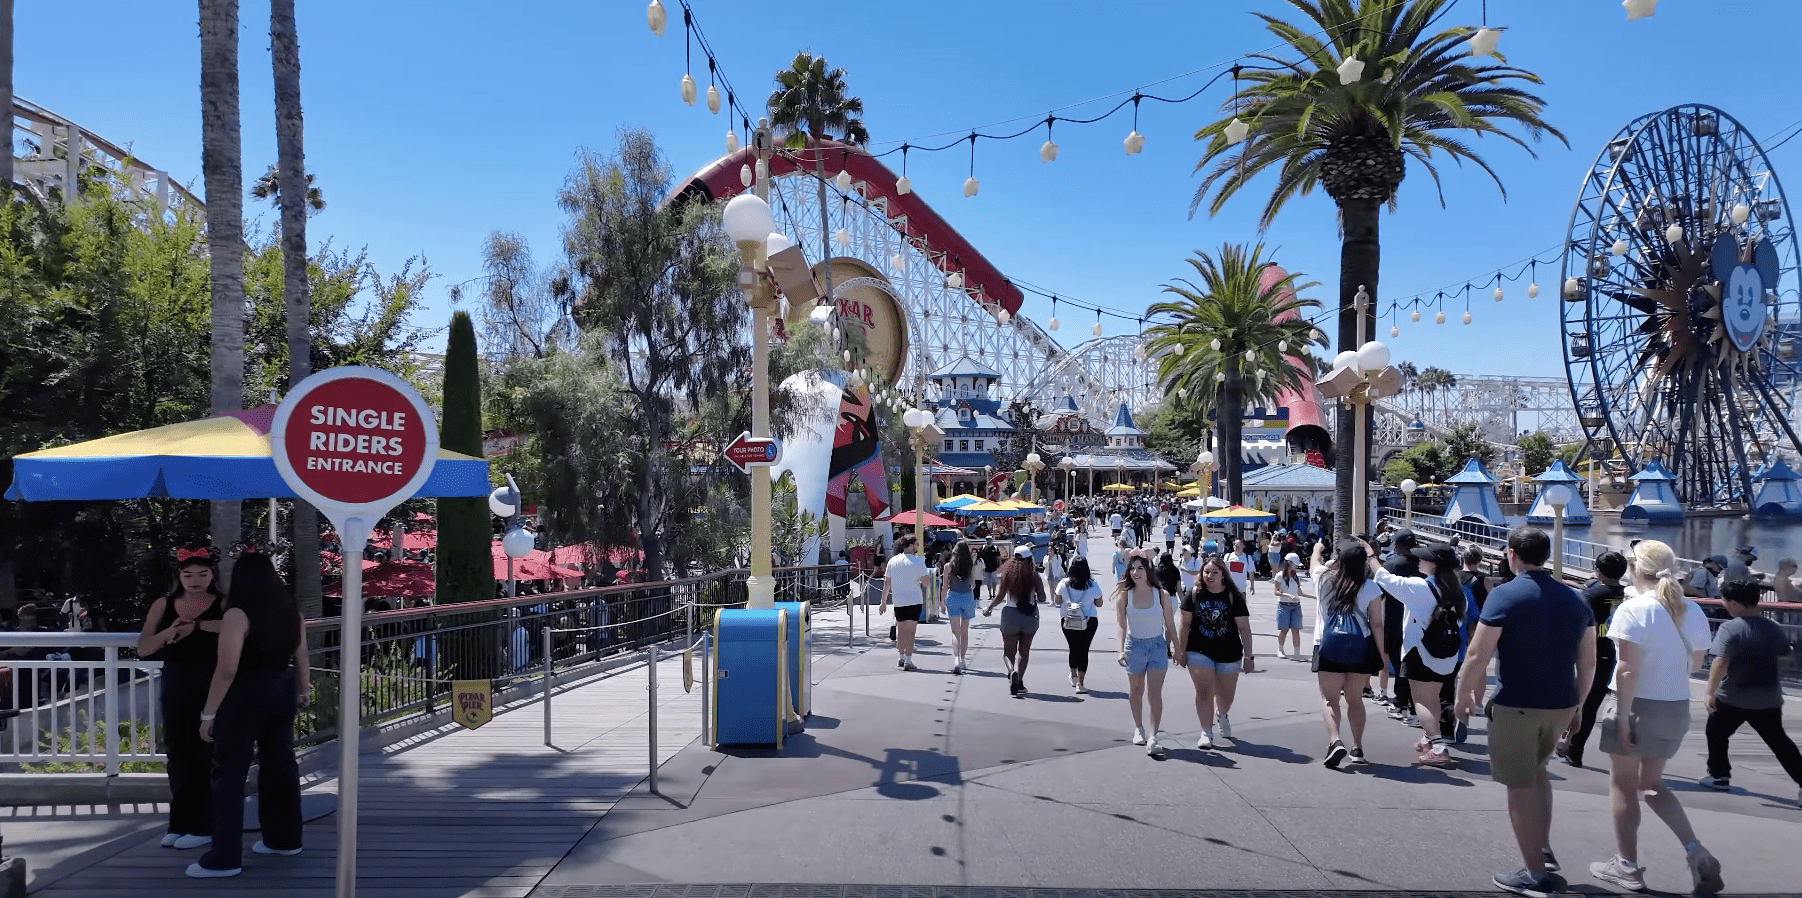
x: 1574, y: 513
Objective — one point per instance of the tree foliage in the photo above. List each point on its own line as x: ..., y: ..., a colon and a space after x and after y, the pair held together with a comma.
x: 1537, y: 452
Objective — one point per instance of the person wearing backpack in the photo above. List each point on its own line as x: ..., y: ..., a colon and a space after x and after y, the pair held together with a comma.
x: 1346, y: 651
x: 1437, y: 610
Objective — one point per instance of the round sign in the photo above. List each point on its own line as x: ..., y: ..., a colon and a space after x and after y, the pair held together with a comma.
x: 354, y: 439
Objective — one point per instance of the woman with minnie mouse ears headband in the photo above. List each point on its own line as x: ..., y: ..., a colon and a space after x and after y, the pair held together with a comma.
x: 181, y: 630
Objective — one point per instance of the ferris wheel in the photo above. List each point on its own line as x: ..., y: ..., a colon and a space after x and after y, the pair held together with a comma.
x: 1680, y: 313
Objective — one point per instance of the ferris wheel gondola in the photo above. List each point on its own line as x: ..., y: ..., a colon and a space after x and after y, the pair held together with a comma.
x: 1680, y: 313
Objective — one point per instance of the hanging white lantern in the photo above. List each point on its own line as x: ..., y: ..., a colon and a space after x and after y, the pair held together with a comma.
x: 847, y: 354
x: 1235, y: 131
x: 688, y: 90
x: 744, y: 174
x: 971, y: 185
x: 656, y: 17
x: 1048, y: 151
x: 1220, y: 376
x: 1096, y: 330
x: 731, y: 142
x: 1414, y: 315
x: 896, y: 262
x: 1483, y: 42
x: 1498, y: 294
x: 1639, y: 9
x: 1052, y: 324
x: 1674, y: 234
x: 1214, y: 344
x: 1003, y: 316
x: 1619, y: 248
x: 835, y: 334
x: 903, y: 186
x: 1740, y: 213
x: 955, y: 280
x: 1351, y: 71
x: 1466, y: 317
x: 1135, y: 143
x: 1394, y: 331
x: 1251, y: 355
x: 843, y: 237
x: 713, y: 99
x: 1532, y: 291
x: 1439, y: 318
x: 1282, y: 346
x: 843, y: 180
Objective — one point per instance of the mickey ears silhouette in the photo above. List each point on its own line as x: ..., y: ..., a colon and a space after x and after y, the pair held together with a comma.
x: 1760, y: 255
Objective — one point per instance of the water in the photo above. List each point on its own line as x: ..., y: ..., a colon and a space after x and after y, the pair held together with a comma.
x: 1697, y: 537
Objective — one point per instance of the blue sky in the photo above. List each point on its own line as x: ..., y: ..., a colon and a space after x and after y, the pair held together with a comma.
x: 431, y: 124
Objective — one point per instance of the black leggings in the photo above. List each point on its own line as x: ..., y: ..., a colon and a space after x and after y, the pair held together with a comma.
x: 1079, y: 641
x: 1597, y: 691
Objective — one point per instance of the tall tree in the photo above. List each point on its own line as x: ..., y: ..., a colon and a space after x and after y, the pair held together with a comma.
x: 659, y: 281
x: 810, y: 103
x: 465, y: 560
x: 290, y: 149
x: 222, y: 165
x: 1418, y: 91
x: 6, y: 94
x: 1220, y: 343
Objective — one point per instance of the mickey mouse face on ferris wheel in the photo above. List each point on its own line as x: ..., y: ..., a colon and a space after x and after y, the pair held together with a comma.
x: 1743, y: 275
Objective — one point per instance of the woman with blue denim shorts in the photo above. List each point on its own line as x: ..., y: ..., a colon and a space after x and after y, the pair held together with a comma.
x: 1214, y: 643
x: 1147, y: 628
x: 958, y: 576
x: 1288, y: 605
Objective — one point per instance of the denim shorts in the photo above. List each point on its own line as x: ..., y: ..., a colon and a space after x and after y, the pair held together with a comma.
x: 960, y: 604
x: 1288, y: 616
x: 1197, y: 659
x: 1147, y: 654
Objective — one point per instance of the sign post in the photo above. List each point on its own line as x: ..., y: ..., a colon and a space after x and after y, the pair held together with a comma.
x: 749, y: 452
x: 354, y: 442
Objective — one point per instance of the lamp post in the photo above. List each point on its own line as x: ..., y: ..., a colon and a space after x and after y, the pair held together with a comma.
x: 748, y: 223
x: 1358, y: 378
x: 1068, y: 466
x: 988, y: 473
x: 1034, y: 465
x: 504, y: 503
x: 1558, y: 495
x: 918, y: 422
x: 1204, y: 471
x: 1120, y: 471
x: 1408, y: 487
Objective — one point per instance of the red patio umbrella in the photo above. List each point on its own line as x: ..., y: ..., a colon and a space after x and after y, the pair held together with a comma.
x: 906, y: 519
x: 535, y: 566
x: 393, y: 578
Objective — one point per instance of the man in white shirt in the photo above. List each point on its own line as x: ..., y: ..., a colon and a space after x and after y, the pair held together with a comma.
x: 906, y: 574
x: 1113, y: 523
x: 1170, y: 534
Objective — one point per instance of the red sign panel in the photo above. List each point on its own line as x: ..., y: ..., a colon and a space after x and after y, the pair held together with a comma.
x: 748, y: 452
x: 356, y: 440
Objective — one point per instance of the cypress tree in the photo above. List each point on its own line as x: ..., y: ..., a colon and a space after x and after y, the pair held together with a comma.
x: 465, y: 569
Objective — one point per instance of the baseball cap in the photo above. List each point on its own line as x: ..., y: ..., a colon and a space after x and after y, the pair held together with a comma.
x: 1717, y: 559
x: 1749, y: 550
x: 1292, y: 558
x: 1023, y: 550
x: 1402, y: 538
x: 1438, y: 553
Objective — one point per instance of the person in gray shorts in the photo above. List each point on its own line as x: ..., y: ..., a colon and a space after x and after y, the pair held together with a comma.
x: 1023, y: 591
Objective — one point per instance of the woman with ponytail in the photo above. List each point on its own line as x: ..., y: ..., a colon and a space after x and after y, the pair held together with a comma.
x: 1660, y: 637
x: 1434, y: 637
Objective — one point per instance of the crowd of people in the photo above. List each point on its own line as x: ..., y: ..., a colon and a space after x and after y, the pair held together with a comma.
x: 1413, y: 628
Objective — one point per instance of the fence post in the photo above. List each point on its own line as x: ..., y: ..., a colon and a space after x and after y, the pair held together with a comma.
x: 547, y: 684
x: 706, y: 687
x: 652, y: 689
x: 112, y: 708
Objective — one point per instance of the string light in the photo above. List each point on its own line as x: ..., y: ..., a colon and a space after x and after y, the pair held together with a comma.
x: 688, y: 89
x: 971, y: 185
x: 657, y: 17
x: 1096, y: 330
x: 842, y: 180
x: 731, y: 142
x: 713, y: 93
x: 1048, y: 151
x: 1394, y: 331
x: 744, y: 174
x: 1052, y: 324
x: 1483, y: 42
x: 903, y: 186
x: 1439, y: 318
x: 1639, y: 9
x: 1414, y: 316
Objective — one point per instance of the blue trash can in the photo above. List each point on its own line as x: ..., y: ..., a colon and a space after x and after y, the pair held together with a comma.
x: 800, y: 672
x: 750, y: 677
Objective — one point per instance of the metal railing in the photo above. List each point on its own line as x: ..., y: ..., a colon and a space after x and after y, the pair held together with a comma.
x: 1579, y: 555
x: 86, y: 701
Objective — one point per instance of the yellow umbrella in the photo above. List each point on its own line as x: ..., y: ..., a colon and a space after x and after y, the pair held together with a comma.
x: 989, y: 510
x: 1193, y: 492
x: 1118, y: 488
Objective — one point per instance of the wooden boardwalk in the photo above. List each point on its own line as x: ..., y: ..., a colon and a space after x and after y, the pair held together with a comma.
x: 451, y: 813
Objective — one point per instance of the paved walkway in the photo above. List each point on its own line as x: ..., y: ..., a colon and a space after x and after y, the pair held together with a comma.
x: 908, y: 781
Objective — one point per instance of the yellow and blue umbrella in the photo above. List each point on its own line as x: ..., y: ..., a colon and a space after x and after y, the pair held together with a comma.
x: 990, y: 510
x: 224, y: 457
x: 956, y: 502
x: 1237, y: 514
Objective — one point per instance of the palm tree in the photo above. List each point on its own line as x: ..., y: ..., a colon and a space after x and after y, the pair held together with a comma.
x: 291, y: 185
x: 1432, y: 380
x: 1222, y: 344
x: 6, y: 91
x: 809, y: 104
x: 1422, y: 92
x: 222, y: 165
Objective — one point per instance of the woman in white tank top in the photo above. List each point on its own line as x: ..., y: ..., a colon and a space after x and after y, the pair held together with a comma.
x: 1147, y: 623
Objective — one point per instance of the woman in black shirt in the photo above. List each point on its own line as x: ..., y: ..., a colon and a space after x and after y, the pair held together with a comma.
x: 1213, y: 640
x: 173, y: 634
x: 260, y: 681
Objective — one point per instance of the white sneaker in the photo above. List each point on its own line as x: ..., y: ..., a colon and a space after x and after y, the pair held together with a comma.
x: 261, y: 848
x: 1138, y: 735
x: 1206, y: 741
x: 1410, y: 720
x: 1226, y: 726
x: 1081, y: 689
x: 184, y: 843
x: 169, y: 839
x: 958, y: 667
x: 1072, y: 679
x: 198, y: 872
x: 1153, y: 749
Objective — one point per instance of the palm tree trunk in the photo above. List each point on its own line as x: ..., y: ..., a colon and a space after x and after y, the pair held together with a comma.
x: 291, y: 165
x: 819, y: 167
x: 6, y: 92
x: 1232, y: 420
x: 222, y: 163
x: 1360, y: 256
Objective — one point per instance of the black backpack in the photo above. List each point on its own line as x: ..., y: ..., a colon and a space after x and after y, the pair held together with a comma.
x: 1444, y: 634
